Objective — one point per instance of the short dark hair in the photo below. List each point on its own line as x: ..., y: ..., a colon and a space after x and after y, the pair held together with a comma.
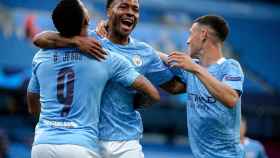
x: 217, y: 23
x: 108, y: 4
x: 68, y: 17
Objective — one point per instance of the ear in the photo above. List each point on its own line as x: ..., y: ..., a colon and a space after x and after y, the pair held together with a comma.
x: 204, y: 34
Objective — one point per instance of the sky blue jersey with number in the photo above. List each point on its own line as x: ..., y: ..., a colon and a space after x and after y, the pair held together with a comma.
x: 213, y: 128
x: 118, y: 120
x: 70, y: 87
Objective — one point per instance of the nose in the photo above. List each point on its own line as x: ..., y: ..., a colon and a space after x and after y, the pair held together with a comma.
x: 130, y: 11
x: 188, y: 41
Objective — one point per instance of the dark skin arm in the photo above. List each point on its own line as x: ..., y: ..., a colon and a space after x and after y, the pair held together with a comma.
x: 148, y: 92
x: 174, y: 86
x: 50, y: 39
x: 33, y: 102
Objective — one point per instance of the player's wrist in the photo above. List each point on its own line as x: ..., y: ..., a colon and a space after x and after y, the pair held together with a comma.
x: 76, y: 41
x: 197, y: 69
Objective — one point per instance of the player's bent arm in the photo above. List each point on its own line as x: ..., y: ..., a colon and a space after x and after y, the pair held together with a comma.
x: 174, y: 86
x: 143, y: 85
x: 50, y: 39
x: 33, y: 102
x: 225, y: 94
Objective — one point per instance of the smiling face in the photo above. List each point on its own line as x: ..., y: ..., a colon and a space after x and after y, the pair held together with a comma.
x: 123, y: 16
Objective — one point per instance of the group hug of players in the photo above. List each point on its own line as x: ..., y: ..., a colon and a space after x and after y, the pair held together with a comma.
x: 87, y: 84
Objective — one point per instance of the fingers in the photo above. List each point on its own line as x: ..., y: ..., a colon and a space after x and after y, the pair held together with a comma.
x: 101, y: 28
x: 93, y: 48
x: 97, y: 54
x: 96, y: 45
x: 173, y: 60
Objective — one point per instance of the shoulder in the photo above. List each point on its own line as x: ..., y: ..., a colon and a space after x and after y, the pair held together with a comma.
x: 42, y: 55
x: 233, y: 65
x: 141, y: 45
x: 93, y: 33
x: 116, y: 57
x: 232, y: 62
x: 255, y: 143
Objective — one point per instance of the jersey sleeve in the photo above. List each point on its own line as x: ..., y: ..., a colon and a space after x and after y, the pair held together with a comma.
x: 182, y: 74
x: 122, y: 70
x: 158, y: 73
x: 233, y: 75
x: 33, y: 85
x: 262, y: 153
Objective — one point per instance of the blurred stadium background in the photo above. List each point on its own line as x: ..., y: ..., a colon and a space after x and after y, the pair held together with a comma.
x: 254, y: 41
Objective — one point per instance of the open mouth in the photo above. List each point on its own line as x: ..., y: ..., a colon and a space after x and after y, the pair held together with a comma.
x: 127, y: 23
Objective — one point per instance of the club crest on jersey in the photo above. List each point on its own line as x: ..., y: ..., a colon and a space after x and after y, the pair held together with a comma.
x: 137, y: 60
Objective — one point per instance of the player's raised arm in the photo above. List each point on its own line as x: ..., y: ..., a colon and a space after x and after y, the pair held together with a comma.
x: 51, y: 39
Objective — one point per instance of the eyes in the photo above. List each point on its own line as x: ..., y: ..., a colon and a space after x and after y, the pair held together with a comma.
x: 125, y: 6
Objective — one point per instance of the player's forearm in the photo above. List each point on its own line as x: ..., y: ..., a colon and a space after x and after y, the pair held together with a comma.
x: 49, y: 39
x: 145, y: 86
x: 33, y: 102
x: 219, y: 90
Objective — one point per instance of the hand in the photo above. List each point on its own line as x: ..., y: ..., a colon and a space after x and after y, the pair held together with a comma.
x: 91, y: 46
x: 101, y: 29
x: 181, y: 60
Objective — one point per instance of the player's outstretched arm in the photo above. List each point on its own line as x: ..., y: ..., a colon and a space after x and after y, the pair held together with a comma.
x: 33, y: 102
x: 50, y: 39
x: 148, y: 93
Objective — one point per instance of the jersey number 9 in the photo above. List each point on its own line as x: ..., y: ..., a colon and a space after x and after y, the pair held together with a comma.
x: 66, y: 76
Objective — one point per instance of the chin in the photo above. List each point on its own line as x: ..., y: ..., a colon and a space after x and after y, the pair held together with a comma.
x: 125, y: 34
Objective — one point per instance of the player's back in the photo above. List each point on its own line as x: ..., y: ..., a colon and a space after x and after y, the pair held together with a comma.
x: 71, y: 86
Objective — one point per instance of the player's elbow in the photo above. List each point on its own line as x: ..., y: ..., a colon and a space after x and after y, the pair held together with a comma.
x: 232, y: 101
x: 36, y: 40
x: 156, y: 97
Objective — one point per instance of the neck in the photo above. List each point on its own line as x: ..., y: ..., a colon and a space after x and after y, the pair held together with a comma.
x: 117, y: 38
x: 211, y: 54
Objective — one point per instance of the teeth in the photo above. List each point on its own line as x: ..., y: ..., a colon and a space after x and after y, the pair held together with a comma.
x: 127, y: 20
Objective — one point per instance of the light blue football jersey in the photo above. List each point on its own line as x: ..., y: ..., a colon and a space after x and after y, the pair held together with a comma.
x: 213, y: 128
x: 70, y: 86
x: 118, y: 120
x: 253, y: 149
